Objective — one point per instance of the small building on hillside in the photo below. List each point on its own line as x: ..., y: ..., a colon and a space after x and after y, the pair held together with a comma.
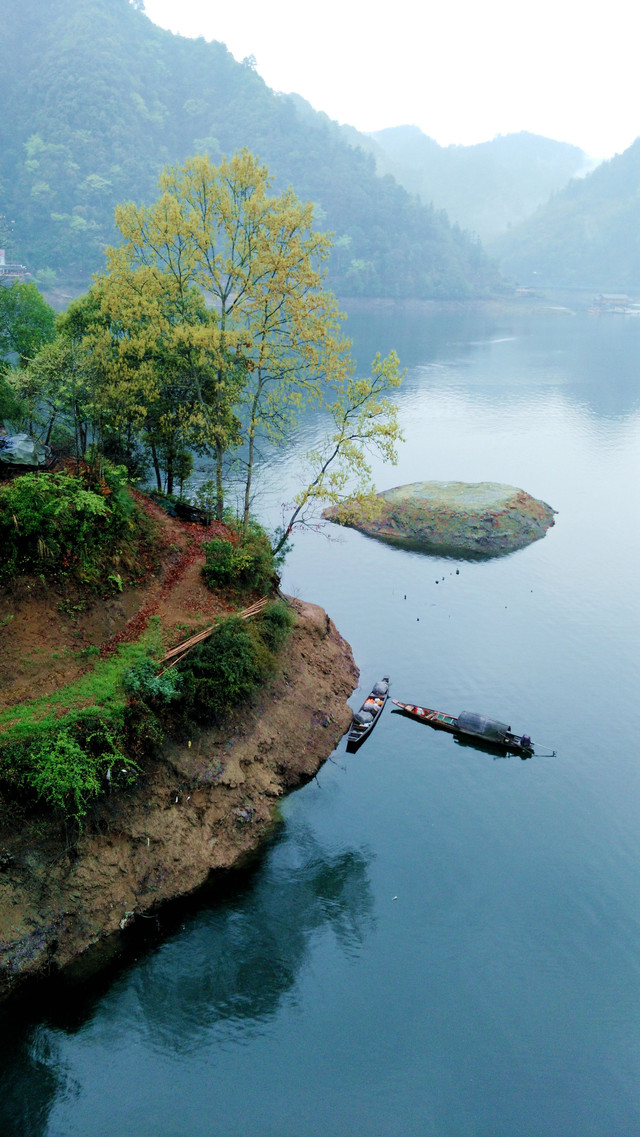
x: 11, y: 272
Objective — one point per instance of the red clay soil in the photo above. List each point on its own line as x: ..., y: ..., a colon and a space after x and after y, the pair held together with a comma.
x: 50, y: 634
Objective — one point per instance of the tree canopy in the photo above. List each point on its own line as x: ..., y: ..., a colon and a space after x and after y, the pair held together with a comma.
x: 212, y: 332
x: 26, y: 320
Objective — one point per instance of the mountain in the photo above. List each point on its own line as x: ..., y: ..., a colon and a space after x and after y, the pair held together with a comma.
x: 484, y: 188
x: 588, y: 235
x: 97, y: 100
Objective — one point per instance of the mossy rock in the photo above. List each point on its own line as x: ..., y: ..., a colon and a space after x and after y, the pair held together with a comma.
x: 483, y: 519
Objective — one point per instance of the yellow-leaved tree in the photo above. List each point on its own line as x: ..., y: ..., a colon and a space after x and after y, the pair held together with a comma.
x: 220, y: 331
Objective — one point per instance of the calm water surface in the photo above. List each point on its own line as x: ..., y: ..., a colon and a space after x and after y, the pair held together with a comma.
x: 438, y: 942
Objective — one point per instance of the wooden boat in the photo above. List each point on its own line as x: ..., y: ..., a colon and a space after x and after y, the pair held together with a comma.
x: 366, y: 718
x: 470, y: 726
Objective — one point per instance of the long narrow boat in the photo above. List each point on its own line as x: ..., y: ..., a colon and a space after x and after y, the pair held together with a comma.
x: 366, y: 718
x: 472, y: 726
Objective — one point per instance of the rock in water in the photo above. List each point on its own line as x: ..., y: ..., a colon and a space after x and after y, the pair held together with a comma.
x: 484, y: 519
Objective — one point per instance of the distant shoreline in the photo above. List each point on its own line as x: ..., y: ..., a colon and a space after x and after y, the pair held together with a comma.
x: 557, y: 299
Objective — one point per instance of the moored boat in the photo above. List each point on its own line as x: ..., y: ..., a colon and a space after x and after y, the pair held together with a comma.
x: 470, y: 725
x: 366, y: 718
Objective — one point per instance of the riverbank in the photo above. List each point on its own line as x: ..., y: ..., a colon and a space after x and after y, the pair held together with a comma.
x: 203, y: 806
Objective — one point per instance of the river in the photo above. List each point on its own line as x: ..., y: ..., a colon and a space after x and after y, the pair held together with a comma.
x: 437, y: 942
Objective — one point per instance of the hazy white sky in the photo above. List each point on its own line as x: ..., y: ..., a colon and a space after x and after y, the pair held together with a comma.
x: 461, y: 70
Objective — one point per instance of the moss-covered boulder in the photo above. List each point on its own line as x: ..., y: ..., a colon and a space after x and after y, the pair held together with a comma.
x: 484, y: 519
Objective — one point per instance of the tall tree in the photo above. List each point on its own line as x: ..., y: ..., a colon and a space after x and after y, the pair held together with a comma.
x: 241, y: 367
x: 26, y: 321
x: 269, y: 336
x: 363, y: 421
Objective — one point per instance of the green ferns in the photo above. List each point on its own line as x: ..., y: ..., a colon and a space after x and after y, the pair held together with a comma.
x: 69, y: 768
x: 54, y: 524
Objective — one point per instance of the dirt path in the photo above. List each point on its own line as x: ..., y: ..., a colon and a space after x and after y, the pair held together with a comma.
x: 52, y: 634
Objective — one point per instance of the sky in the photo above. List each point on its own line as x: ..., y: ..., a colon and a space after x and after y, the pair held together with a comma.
x: 461, y: 70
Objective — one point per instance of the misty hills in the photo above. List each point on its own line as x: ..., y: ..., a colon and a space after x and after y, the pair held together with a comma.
x: 586, y: 236
x: 550, y: 215
x: 96, y: 100
x: 484, y: 188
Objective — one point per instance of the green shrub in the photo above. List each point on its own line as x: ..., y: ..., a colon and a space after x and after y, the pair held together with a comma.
x: 10, y: 406
x: 52, y: 523
x: 68, y: 768
x: 206, y: 498
x: 143, y: 682
x: 246, y: 565
x: 44, y: 515
x: 218, y: 570
x: 223, y: 671
x: 276, y: 624
x: 63, y: 774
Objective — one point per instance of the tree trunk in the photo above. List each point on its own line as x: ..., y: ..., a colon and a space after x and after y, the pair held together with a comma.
x: 247, y: 488
x: 219, y: 486
x: 156, y: 466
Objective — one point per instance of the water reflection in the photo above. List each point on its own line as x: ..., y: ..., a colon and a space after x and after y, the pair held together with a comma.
x: 32, y: 1075
x: 236, y: 963
x: 227, y: 967
x: 540, y: 349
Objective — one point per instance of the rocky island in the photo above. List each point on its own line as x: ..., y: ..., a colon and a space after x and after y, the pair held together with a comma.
x: 461, y: 519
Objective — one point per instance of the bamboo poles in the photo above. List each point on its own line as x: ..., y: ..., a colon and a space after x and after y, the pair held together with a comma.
x: 177, y: 653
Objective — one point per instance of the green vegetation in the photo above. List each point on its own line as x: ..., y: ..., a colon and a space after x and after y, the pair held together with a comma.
x: 587, y: 236
x: 142, y: 369
x: 209, y: 375
x: 69, y: 768
x: 67, y: 749
x: 10, y: 406
x: 144, y: 372
x: 53, y: 524
x: 100, y: 692
x: 277, y: 623
x: 26, y: 321
x: 247, y: 565
x: 145, y: 681
x: 96, y: 100
x: 225, y: 670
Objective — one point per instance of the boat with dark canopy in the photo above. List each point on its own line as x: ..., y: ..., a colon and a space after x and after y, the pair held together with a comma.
x: 366, y: 718
x: 472, y: 726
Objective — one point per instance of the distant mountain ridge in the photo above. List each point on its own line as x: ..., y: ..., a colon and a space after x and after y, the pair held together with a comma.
x: 96, y: 100
x: 485, y: 188
x: 586, y: 236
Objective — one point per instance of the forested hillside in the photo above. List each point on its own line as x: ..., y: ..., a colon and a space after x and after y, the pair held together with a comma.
x: 587, y: 236
x: 96, y: 100
x: 484, y: 188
